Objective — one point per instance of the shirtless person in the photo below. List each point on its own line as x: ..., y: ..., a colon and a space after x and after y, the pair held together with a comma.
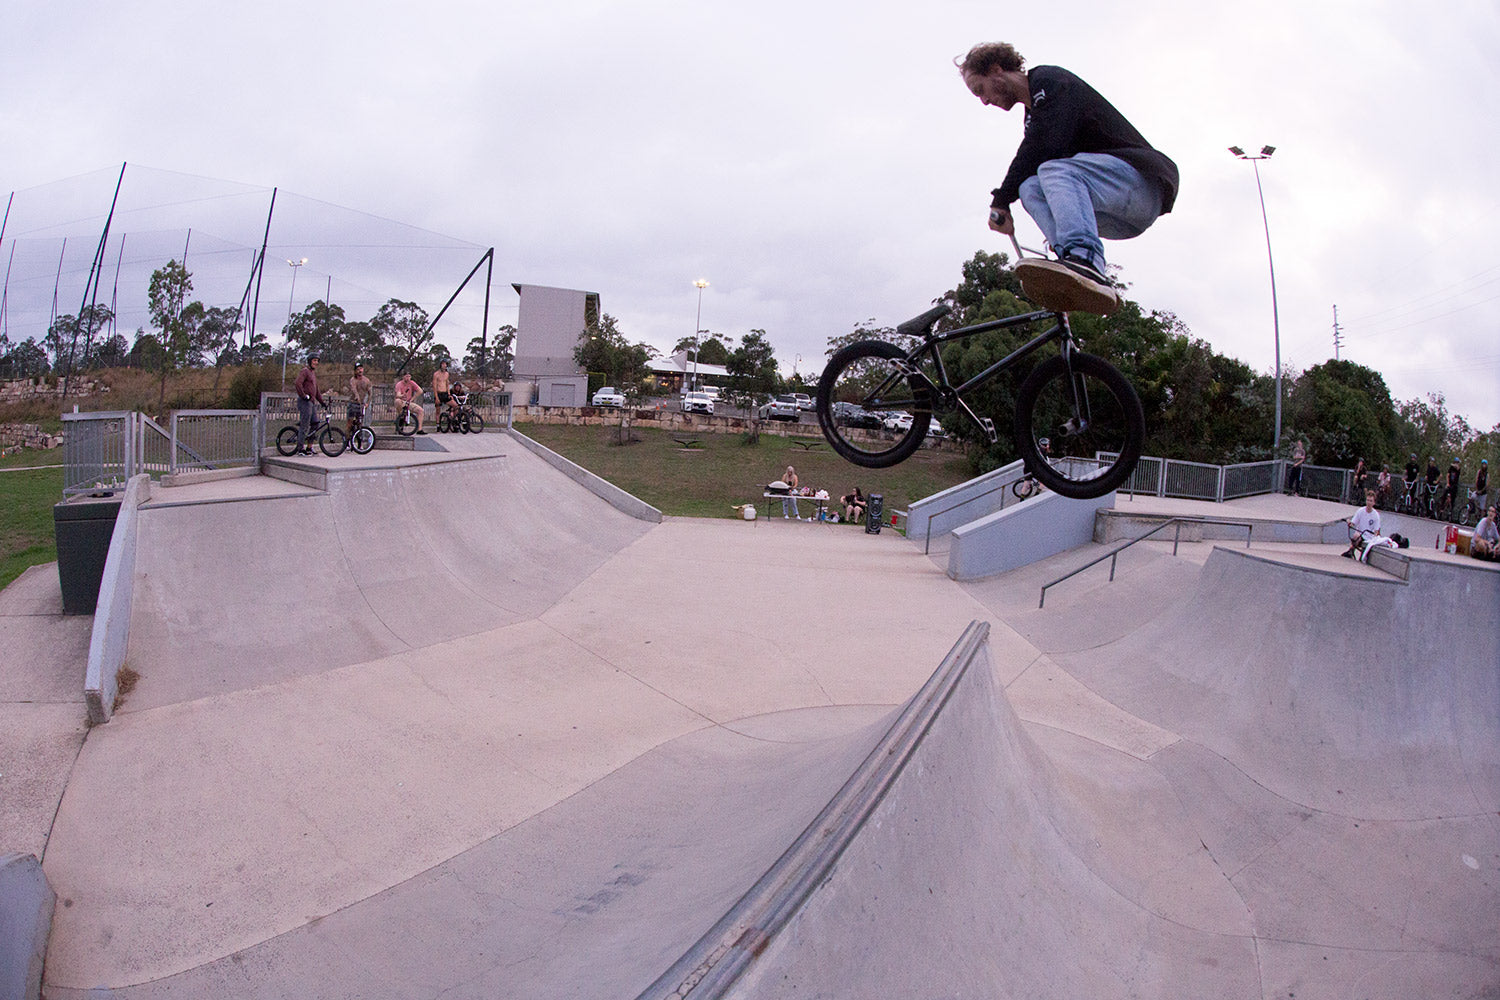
x: 440, y: 389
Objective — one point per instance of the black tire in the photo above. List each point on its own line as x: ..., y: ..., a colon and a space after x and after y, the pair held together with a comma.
x: 286, y: 441
x: 867, y: 373
x: 473, y: 423
x: 445, y: 423
x: 363, y: 441
x: 406, y: 423
x: 1093, y: 410
x: 1023, y: 488
x: 332, y: 442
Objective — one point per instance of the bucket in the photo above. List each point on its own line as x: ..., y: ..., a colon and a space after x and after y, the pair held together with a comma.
x: 749, y: 512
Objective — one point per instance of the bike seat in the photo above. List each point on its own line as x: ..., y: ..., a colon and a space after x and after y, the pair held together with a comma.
x: 919, y: 326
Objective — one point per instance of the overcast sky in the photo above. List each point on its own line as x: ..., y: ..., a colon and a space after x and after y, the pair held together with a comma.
x: 819, y: 163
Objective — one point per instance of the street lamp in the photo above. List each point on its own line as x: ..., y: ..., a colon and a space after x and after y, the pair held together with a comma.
x: 702, y: 283
x: 1265, y: 154
x: 286, y: 343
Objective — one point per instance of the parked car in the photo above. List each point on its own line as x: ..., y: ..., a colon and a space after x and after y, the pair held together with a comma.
x: 854, y: 415
x: 698, y: 402
x: 780, y: 408
x: 609, y: 396
x: 804, y: 401
x: 898, y: 421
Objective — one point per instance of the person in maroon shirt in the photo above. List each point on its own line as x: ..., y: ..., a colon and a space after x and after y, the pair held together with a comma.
x: 307, y: 391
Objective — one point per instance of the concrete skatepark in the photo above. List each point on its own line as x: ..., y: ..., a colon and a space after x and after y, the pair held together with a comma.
x: 450, y: 724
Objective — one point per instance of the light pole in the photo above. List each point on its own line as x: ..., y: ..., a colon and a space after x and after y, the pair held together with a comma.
x: 287, y: 341
x: 702, y: 283
x: 1265, y: 154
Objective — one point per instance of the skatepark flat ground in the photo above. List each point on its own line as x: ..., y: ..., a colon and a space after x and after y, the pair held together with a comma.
x: 458, y: 727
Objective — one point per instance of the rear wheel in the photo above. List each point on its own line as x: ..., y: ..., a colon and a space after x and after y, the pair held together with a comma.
x: 1090, y: 418
x: 363, y: 441
x: 874, y: 376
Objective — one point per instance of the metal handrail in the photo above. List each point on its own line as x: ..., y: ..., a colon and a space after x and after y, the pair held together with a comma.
x: 1177, y: 536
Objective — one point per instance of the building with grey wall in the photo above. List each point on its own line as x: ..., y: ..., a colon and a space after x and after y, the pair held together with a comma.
x: 547, y: 330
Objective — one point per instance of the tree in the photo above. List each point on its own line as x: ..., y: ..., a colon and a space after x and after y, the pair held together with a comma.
x: 111, y: 351
x: 165, y: 296
x: 711, y: 350
x: 492, y: 360
x: 403, y: 326
x: 602, y: 347
x: 27, y: 359
x: 752, y: 376
x: 318, y: 327
x: 1345, y: 412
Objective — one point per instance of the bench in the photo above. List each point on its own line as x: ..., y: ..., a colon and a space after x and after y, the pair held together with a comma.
x: 688, y: 444
x: 806, y: 445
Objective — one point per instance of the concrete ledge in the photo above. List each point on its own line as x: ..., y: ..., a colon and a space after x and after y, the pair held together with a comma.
x: 1122, y: 525
x: 968, y: 501
x: 111, y: 634
x: 1023, y: 534
x: 26, y: 902
x: 288, y: 472
x: 610, y: 493
x: 207, y: 475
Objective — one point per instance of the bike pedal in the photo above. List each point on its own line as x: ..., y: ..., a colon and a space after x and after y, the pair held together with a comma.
x: 989, y: 428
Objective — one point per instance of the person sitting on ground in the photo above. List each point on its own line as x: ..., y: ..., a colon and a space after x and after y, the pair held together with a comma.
x: 854, y: 505
x: 409, y: 395
x: 1366, y: 521
x: 1486, y: 541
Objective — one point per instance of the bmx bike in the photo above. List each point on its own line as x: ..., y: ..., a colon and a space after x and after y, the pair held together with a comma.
x: 406, y: 420
x: 464, y: 420
x: 363, y: 438
x: 331, y: 440
x: 1081, y: 402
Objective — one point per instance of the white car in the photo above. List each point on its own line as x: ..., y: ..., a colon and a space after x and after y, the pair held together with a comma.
x: 609, y: 396
x: 780, y: 408
x: 698, y: 402
x: 898, y: 421
x: 804, y: 401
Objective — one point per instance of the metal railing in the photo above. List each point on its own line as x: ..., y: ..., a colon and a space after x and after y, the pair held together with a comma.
x: 1171, y: 477
x: 103, y: 450
x: 1113, y: 554
x: 278, y: 409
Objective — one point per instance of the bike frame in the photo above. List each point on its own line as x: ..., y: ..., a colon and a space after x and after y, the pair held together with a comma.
x: 949, y: 394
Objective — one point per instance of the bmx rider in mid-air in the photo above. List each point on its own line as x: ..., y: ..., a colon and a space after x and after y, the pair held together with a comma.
x: 1082, y: 172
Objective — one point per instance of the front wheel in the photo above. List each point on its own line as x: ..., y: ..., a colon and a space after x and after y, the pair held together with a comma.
x: 363, y: 441
x: 862, y: 383
x: 406, y: 423
x: 332, y: 442
x: 286, y: 442
x: 473, y: 423
x: 1090, y: 418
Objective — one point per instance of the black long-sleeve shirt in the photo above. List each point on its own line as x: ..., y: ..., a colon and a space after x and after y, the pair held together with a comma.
x: 1068, y: 117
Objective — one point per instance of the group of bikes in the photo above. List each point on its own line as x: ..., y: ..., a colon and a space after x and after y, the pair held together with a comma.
x: 1421, y: 498
x: 333, y: 440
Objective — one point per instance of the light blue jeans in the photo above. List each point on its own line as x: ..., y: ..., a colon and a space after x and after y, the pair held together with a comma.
x: 1076, y: 201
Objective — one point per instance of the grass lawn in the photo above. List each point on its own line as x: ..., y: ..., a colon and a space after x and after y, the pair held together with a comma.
x: 723, y: 471
x: 26, y: 499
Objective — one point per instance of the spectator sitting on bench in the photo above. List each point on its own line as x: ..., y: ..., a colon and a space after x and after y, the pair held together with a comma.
x: 854, y: 505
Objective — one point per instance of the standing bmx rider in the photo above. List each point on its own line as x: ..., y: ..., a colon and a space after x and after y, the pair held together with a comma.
x: 1082, y: 172
x: 307, y: 391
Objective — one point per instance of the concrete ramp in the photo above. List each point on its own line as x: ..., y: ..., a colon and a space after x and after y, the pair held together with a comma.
x: 1351, y: 693
x: 231, y: 596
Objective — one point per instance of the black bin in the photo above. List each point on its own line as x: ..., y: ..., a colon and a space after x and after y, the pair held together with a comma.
x: 83, y: 525
x: 874, y: 513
